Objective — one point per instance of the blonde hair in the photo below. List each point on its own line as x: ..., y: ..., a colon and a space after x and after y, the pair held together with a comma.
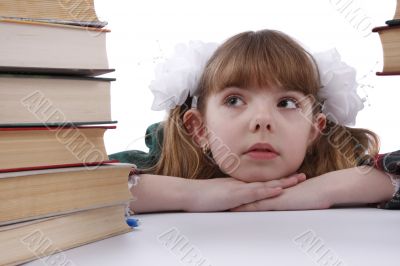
x: 261, y: 58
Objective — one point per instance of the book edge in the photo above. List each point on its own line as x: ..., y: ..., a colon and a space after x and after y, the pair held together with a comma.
x: 383, y: 28
x: 55, y: 71
x: 385, y: 73
x: 48, y: 127
x: 64, y: 169
x: 55, y: 77
x: 54, y: 215
x: 47, y: 24
x: 30, y: 126
x: 43, y: 167
x: 82, y: 23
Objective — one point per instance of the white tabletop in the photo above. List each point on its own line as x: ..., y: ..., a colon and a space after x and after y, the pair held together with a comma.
x: 351, y: 236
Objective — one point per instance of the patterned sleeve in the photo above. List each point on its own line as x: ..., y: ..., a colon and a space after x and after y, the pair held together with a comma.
x: 390, y: 163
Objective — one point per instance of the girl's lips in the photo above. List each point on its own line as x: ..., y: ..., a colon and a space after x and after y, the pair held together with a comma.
x: 262, y: 155
x: 262, y: 151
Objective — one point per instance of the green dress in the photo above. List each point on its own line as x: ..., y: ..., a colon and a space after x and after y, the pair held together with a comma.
x: 143, y: 160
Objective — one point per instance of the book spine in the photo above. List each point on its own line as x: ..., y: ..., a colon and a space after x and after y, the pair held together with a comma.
x: 57, y: 166
x: 62, y: 127
x: 394, y: 73
x: 393, y: 22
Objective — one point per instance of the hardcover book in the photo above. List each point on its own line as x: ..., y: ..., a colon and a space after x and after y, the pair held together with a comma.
x: 52, y: 147
x: 51, y: 46
x: 29, y: 195
x: 31, y: 240
x: 38, y: 100
x: 390, y: 39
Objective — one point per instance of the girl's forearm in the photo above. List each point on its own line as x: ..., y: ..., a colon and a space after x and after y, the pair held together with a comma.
x: 156, y: 193
x: 359, y: 185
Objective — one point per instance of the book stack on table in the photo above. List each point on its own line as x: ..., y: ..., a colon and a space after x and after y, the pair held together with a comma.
x: 58, y: 188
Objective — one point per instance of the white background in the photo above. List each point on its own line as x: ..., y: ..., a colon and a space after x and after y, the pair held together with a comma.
x: 145, y: 32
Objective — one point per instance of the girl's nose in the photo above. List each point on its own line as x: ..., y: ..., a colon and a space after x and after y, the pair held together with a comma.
x: 261, y: 121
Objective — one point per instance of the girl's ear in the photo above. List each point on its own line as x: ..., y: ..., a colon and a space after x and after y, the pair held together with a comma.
x: 194, y: 125
x: 318, y: 126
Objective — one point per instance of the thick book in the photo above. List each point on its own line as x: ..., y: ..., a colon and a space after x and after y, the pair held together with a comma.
x: 52, y: 147
x: 390, y: 39
x: 396, y: 18
x: 30, y: 195
x: 81, y: 13
x: 38, y: 99
x: 23, y: 242
x: 51, y: 46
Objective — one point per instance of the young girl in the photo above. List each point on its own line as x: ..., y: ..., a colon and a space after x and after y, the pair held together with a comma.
x: 248, y: 123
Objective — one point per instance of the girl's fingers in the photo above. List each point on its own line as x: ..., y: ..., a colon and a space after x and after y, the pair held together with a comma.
x: 244, y: 208
x: 256, y: 192
x: 261, y: 205
x: 293, y: 180
x: 252, y: 196
x: 288, y: 181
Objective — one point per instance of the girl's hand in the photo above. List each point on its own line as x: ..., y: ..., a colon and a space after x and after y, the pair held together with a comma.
x: 221, y: 194
x: 311, y: 194
x: 353, y: 186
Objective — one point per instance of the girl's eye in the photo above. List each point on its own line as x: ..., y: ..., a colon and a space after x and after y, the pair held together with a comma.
x: 234, y: 100
x: 288, y: 103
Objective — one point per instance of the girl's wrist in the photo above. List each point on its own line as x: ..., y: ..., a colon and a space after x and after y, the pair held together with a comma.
x: 155, y: 193
x: 343, y: 187
x: 359, y: 185
x: 325, y: 189
x: 187, y: 194
x: 181, y: 194
x: 184, y: 194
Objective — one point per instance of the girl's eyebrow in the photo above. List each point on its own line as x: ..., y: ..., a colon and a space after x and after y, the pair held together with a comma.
x: 230, y: 88
x: 282, y: 90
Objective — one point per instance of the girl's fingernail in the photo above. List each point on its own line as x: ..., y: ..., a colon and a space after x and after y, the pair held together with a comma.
x: 301, y: 175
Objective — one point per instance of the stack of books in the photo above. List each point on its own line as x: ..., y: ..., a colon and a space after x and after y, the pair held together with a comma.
x: 390, y: 39
x: 58, y: 188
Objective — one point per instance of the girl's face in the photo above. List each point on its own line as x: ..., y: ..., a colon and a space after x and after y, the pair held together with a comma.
x: 259, y: 134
